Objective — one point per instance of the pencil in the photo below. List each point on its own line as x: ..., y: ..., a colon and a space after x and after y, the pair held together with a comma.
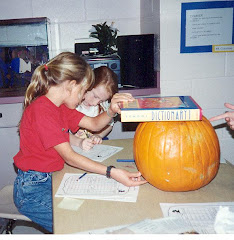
x: 86, y: 133
x: 125, y: 160
x: 82, y: 175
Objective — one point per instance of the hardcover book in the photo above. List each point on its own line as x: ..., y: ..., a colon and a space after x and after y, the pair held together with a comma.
x: 147, y: 109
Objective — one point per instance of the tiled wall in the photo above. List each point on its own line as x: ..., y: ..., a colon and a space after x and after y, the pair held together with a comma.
x: 208, y: 77
x: 72, y: 19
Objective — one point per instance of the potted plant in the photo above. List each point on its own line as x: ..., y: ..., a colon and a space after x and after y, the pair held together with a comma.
x: 107, y: 35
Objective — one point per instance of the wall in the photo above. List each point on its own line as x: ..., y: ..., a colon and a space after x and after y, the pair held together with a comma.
x: 72, y: 19
x: 149, y: 23
x: 208, y: 77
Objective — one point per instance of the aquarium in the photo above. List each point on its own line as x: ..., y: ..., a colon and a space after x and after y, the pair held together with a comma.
x: 24, y: 45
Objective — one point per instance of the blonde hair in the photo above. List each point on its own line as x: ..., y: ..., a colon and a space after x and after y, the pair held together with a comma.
x: 63, y: 67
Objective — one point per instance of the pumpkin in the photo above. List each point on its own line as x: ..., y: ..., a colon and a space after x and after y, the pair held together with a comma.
x: 177, y: 156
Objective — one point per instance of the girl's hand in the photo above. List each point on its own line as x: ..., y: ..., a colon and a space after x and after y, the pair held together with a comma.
x: 228, y: 116
x: 86, y: 144
x: 117, y: 99
x: 128, y: 179
x: 96, y: 139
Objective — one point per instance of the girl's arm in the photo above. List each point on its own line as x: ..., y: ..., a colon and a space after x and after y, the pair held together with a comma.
x: 74, y: 140
x: 72, y: 158
x: 83, y: 143
x: 96, y: 124
x: 104, y: 132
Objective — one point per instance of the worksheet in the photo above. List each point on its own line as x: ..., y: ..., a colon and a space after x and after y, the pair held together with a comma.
x: 99, y: 152
x: 95, y: 186
x: 169, y: 225
x: 201, y: 216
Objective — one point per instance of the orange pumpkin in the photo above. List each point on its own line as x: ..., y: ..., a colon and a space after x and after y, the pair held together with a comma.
x: 177, y: 156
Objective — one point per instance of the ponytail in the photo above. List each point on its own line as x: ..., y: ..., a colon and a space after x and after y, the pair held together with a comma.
x: 38, y: 86
x: 63, y: 67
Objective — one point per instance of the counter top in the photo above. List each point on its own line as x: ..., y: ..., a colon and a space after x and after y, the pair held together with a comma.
x: 95, y: 214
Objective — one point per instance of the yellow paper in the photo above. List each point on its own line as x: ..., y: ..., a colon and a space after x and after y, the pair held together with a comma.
x: 70, y: 204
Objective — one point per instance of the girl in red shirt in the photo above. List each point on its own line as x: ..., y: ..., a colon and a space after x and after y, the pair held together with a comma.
x: 56, y: 89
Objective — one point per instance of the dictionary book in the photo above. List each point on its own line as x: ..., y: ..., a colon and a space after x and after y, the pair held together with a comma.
x: 172, y: 108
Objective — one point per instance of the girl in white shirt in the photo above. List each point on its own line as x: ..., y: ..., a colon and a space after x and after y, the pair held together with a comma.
x: 96, y: 101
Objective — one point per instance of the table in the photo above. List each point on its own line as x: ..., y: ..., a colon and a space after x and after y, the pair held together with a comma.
x: 95, y: 214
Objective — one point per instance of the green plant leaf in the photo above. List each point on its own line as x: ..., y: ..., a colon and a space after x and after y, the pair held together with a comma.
x: 106, y: 35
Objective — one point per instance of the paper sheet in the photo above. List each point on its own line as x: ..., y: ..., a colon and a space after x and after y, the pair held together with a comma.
x: 201, y: 216
x: 99, y: 152
x: 224, y: 222
x: 169, y: 225
x: 95, y: 186
x: 70, y: 204
x: 107, y: 230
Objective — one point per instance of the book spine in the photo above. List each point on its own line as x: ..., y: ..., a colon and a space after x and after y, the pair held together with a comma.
x: 161, y: 115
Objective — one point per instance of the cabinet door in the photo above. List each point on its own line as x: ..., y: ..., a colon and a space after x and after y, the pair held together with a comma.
x: 10, y: 114
x: 9, y: 146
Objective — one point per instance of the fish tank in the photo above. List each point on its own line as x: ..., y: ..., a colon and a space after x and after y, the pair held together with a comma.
x: 24, y: 45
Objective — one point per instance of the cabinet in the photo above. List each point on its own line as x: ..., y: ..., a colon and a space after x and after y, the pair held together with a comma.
x: 10, y: 115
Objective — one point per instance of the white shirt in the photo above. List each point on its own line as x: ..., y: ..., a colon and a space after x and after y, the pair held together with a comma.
x: 92, y: 111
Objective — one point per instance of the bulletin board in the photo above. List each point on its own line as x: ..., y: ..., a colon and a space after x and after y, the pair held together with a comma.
x: 207, y: 27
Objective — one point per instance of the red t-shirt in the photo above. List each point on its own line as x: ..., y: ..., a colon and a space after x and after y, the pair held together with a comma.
x: 43, y: 126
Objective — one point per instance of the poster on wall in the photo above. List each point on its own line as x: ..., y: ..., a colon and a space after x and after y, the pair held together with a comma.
x: 207, y: 27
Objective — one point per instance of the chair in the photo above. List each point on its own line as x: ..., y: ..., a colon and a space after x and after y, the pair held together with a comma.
x: 8, y: 209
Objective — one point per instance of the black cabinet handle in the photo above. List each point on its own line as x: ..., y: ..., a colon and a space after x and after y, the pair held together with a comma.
x: 0, y: 115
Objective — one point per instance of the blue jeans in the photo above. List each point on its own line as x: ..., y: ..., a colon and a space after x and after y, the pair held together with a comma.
x: 33, y: 197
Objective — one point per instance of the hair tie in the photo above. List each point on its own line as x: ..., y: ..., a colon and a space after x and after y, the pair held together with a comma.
x: 46, y: 67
